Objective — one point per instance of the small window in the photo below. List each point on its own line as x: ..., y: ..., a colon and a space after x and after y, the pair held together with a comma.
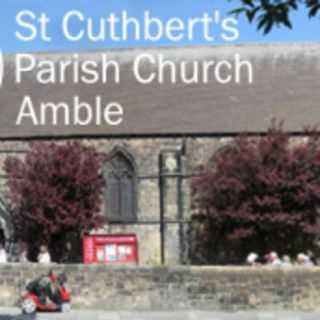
x: 121, y: 195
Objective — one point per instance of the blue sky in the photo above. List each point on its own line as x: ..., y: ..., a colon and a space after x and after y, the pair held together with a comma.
x: 304, y: 29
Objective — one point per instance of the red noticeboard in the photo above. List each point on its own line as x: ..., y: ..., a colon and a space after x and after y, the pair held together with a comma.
x: 110, y: 249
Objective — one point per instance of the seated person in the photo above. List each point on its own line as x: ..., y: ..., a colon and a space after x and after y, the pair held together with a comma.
x: 45, y: 287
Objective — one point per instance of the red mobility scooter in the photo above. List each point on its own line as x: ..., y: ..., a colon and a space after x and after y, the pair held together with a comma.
x: 46, y: 294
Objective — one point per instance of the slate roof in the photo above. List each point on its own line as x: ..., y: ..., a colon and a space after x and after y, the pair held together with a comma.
x: 286, y: 85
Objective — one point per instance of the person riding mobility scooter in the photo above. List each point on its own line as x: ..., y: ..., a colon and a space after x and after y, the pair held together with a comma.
x: 48, y: 294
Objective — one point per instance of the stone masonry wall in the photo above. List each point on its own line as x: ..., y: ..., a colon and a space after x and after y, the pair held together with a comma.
x: 202, y: 288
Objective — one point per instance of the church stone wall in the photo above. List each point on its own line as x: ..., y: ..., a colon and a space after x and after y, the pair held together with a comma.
x: 145, y: 152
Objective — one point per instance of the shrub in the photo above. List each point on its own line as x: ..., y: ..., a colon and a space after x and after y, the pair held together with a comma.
x: 55, y: 190
x: 260, y: 194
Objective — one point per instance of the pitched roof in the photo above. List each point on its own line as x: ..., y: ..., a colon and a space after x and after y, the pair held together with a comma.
x: 286, y: 86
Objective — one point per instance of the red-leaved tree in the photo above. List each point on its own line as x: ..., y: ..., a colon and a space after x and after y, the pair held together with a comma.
x: 55, y: 190
x: 260, y: 194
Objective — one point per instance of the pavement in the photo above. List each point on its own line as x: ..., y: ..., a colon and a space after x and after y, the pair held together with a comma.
x: 14, y: 314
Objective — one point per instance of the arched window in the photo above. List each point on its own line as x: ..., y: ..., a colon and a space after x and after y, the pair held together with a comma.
x: 121, y: 195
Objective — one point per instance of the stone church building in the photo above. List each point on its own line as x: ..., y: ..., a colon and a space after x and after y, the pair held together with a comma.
x: 167, y: 132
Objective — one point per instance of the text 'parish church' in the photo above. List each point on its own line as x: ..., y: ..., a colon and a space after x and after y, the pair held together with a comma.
x: 169, y: 128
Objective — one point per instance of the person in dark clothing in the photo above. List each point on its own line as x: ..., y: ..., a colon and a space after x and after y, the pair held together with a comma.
x: 44, y: 287
x: 67, y: 254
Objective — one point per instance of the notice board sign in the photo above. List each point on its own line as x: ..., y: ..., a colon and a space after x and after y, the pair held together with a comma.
x: 110, y: 249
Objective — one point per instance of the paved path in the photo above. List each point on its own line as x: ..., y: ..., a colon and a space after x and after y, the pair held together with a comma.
x: 13, y: 314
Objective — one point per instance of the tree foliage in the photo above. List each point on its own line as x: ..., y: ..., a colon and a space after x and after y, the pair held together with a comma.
x: 270, y: 13
x: 260, y: 194
x: 55, y: 189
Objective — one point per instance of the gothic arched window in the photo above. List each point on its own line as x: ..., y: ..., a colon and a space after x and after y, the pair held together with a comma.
x: 121, y: 195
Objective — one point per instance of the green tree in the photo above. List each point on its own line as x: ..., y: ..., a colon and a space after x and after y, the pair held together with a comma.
x: 268, y: 14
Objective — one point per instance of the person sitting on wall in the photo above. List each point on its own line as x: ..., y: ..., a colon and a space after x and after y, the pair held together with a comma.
x: 273, y: 259
x: 286, y: 261
x: 23, y: 256
x: 44, y: 255
x: 304, y: 260
x: 67, y: 254
x: 252, y: 259
x: 3, y: 254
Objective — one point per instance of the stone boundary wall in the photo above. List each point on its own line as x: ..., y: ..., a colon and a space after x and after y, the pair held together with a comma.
x: 161, y: 288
